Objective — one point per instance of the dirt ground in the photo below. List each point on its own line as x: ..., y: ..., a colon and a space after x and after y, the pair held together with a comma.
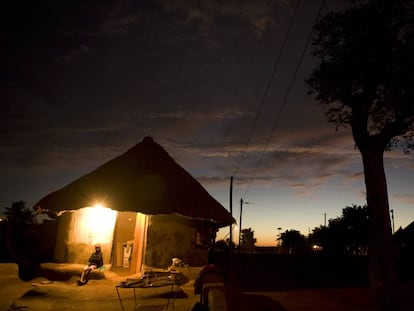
x: 43, y: 294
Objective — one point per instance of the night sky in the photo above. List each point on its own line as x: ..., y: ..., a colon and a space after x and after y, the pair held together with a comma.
x: 83, y: 81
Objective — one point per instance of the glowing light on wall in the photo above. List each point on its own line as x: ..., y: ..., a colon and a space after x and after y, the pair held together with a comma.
x: 91, y: 225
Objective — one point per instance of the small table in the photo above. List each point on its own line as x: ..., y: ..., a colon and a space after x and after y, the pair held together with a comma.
x: 151, y: 280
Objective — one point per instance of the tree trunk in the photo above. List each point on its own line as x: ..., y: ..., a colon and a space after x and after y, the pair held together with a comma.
x: 383, y: 259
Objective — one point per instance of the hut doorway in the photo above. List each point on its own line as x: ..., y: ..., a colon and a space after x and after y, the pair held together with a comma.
x: 129, y: 243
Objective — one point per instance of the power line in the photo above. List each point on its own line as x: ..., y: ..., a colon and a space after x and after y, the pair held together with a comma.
x: 292, y: 80
x: 275, y: 66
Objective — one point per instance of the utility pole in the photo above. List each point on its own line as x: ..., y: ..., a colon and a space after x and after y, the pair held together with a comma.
x: 230, y: 263
x: 231, y: 211
x: 392, y: 221
x: 324, y: 218
x: 240, y: 222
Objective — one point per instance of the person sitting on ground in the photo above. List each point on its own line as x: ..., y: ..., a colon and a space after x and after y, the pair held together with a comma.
x: 95, y: 261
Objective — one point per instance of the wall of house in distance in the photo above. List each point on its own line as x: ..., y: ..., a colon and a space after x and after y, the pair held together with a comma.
x: 173, y: 236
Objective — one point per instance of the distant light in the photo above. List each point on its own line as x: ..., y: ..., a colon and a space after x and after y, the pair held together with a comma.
x: 316, y: 247
x: 99, y: 205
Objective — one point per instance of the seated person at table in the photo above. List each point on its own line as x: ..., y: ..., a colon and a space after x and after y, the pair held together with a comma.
x: 95, y: 261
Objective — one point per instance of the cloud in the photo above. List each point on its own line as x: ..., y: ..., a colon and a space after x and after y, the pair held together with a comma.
x: 226, y: 113
x: 259, y: 14
x: 301, y: 169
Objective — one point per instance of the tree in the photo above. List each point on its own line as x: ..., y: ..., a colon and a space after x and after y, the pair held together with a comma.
x: 18, y: 213
x: 18, y: 246
x: 247, y: 239
x: 347, y: 234
x: 355, y: 221
x: 293, y: 241
x: 365, y: 80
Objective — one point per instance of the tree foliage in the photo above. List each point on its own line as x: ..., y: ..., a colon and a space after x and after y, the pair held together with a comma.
x: 18, y: 213
x: 292, y: 241
x: 347, y: 234
x: 248, y: 240
x: 366, y: 70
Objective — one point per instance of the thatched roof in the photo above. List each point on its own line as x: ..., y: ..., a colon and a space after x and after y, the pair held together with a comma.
x: 144, y: 179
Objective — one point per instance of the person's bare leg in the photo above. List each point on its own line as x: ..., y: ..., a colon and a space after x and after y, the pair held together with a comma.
x: 84, y: 275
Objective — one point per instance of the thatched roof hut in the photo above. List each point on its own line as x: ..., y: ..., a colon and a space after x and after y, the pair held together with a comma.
x: 144, y: 179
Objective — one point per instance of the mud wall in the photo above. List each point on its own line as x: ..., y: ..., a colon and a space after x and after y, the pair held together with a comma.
x: 173, y: 236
